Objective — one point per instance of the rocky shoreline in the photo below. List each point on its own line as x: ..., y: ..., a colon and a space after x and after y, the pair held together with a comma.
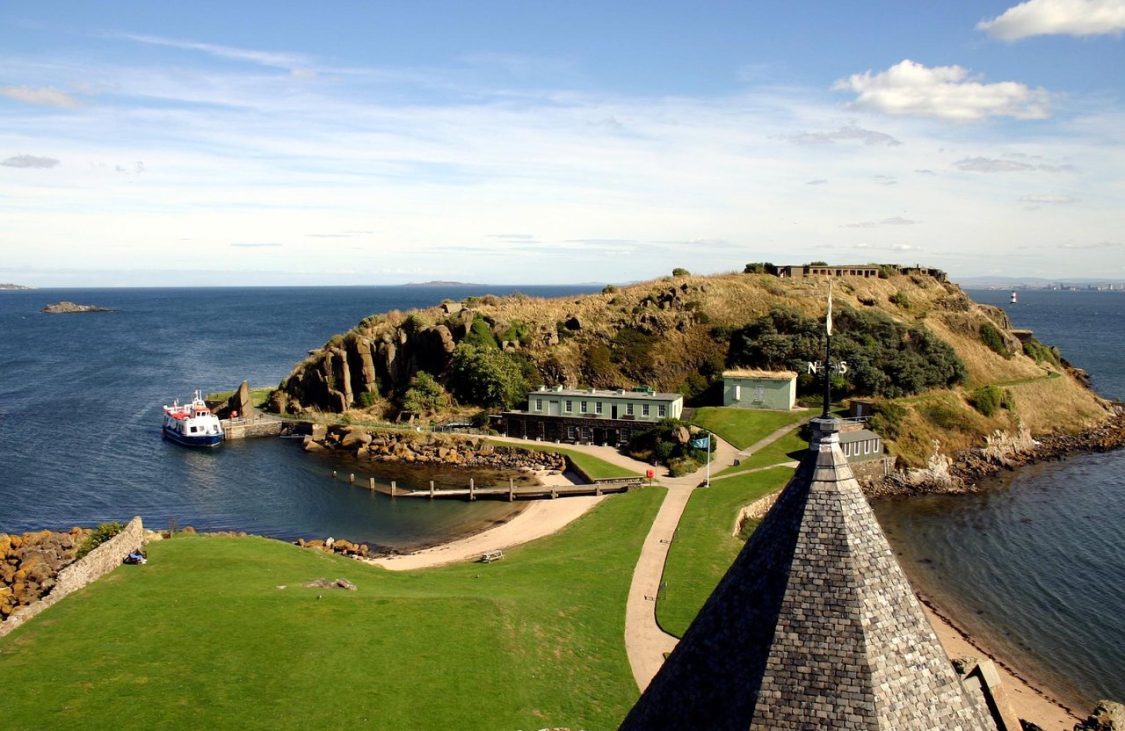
x: 963, y: 472
x: 30, y: 562
x: 416, y: 448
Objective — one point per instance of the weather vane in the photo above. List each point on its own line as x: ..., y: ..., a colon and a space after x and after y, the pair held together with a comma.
x: 826, y: 367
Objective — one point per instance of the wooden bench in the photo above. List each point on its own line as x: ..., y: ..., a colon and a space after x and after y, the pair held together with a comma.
x: 491, y: 556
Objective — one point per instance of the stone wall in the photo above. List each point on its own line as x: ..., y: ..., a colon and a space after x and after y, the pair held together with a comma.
x: 89, y: 568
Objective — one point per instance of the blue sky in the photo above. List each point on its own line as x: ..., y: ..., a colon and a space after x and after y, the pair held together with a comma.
x: 525, y: 142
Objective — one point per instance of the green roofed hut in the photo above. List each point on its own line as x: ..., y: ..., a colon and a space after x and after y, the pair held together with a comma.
x: 757, y: 389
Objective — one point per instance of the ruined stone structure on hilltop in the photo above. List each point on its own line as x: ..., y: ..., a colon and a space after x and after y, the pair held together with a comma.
x: 813, y: 627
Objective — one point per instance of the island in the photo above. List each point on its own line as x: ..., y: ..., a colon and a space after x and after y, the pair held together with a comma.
x: 66, y: 307
x: 10, y: 286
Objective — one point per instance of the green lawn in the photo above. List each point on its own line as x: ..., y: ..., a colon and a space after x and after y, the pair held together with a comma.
x: 704, y: 547
x: 786, y: 449
x: 594, y: 467
x: 743, y: 427
x: 202, y: 637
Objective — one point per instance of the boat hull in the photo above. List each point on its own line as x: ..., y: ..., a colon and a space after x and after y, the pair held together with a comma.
x: 202, y: 440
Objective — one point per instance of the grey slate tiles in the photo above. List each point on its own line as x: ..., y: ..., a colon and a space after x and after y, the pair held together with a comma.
x: 813, y: 627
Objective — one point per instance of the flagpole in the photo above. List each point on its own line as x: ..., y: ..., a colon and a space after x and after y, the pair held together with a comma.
x: 828, y: 356
x: 708, y: 481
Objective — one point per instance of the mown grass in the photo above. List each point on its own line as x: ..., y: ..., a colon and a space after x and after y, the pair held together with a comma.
x: 704, y: 548
x: 788, y: 448
x: 743, y: 427
x: 203, y: 637
x: 595, y: 468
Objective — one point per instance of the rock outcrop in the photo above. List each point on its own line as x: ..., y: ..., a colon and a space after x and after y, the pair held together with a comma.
x: 432, y: 449
x: 66, y: 307
x: 30, y: 564
x: 1107, y: 716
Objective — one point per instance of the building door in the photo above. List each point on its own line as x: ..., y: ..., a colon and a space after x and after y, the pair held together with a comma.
x: 614, y: 411
x: 552, y: 408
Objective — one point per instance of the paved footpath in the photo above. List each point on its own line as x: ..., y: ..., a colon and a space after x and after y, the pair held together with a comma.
x: 645, y: 642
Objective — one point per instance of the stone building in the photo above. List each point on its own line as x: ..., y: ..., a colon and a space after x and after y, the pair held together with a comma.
x: 792, y: 271
x: 590, y: 415
x: 756, y: 389
x: 813, y: 627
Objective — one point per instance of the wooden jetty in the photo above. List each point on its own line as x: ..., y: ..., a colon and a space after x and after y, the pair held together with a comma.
x: 511, y: 492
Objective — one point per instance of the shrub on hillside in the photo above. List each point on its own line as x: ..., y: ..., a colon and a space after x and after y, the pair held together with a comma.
x: 632, y: 350
x: 992, y: 338
x: 480, y: 334
x: 100, y: 535
x: 680, y: 272
x: 989, y: 399
x: 884, y: 357
x: 487, y: 377
x: 424, y: 395
x: 900, y: 299
x: 887, y: 418
x: 1041, y: 352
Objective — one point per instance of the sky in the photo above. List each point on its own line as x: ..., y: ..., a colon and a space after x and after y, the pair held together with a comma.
x: 253, y: 143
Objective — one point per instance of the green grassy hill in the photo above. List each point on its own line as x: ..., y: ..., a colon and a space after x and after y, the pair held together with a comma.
x: 205, y: 637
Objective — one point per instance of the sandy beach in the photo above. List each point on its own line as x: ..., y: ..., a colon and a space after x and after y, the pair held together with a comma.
x: 1029, y: 700
x: 539, y: 519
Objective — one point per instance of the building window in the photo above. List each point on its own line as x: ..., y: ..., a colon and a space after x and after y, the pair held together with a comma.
x: 662, y: 410
x: 628, y: 409
x: 538, y: 404
x: 597, y: 407
x: 867, y: 446
x: 737, y: 392
x: 644, y: 409
x: 569, y: 405
x: 582, y: 407
x: 570, y: 433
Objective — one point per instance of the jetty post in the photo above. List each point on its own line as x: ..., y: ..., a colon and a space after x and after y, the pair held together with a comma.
x: 431, y: 489
x: 371, y: 484
x: 351, y: 478
x: 511, y: 489
x: 472, y: 490
x: 393, y: 488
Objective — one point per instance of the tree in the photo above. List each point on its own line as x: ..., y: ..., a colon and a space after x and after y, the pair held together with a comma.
x: 424, y: 395
x: 487, y: 377
x: 680, y: 272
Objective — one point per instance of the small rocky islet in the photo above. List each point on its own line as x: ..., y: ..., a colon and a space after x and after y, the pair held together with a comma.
x: 66, y: 307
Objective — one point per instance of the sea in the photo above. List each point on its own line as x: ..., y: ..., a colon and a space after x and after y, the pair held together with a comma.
x: 1035, y: 564
x: 81, y: 399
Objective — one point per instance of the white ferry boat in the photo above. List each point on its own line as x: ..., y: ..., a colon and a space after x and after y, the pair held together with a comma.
x: 192, y: 425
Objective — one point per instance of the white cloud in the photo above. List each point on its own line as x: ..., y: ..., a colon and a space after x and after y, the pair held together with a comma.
x: 847, y: 132
x: 29, y: 161
x: 1046, y: 200
x: 991, y: 165
x: 942, y: 92
x: 1057, y: 17
x: 43, y: 96
x: 892, y: 221
x: 297, y: 64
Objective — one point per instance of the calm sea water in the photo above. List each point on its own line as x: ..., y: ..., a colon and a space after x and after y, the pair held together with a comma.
x: 1036, y: 563
x: 80, y: 411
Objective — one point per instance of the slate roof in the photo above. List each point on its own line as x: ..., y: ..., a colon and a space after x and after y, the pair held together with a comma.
x: 813, y: 627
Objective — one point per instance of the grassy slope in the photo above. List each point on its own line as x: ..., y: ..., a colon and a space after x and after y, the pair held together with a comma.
x: 743, y: 427
x: 201, y: 637
x: 258, y: 396
x: 704, y: 547
x: 786, y: 449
